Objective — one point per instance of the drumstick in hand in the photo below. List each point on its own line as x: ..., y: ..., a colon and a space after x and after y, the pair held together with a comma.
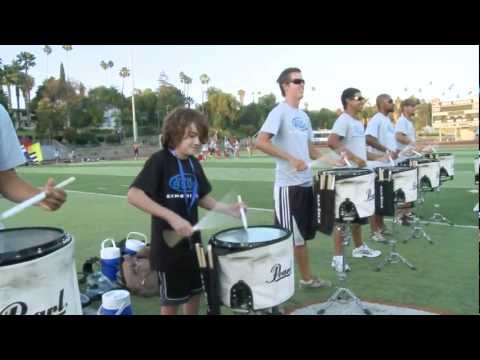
x: 33, y: 200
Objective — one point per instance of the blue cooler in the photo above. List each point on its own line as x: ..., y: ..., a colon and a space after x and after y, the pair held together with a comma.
x: 132, y: 245
x: 116, y: 302
x: 110, y: 260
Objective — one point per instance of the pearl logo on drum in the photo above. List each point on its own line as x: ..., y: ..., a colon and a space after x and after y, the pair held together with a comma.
x: 279, y: 274
x: 21, y: 308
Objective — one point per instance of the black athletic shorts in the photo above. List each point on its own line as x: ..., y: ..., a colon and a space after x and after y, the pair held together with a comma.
x: 178, y: 285
x: 295, y: 211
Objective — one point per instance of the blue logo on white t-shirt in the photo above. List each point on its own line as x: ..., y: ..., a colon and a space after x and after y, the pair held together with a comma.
x: 299, y: 123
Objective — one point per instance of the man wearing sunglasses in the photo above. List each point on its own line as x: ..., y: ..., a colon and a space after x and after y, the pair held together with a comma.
x: 348, y: 138
x: 286, y: 135
x: 380, y: 136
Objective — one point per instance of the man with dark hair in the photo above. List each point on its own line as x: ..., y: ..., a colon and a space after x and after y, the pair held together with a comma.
x: 12, y: 187
x: 380, y: 135
x: 348, y: 137
x: 286, y: 135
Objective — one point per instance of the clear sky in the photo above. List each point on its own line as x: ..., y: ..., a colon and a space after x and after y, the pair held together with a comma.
x: 373, y: 69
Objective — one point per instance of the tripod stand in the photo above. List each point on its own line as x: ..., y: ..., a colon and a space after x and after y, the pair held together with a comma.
x: 417, y: 231
x: 343, y: 293
x: 437, y: 217
x: 394, y: 257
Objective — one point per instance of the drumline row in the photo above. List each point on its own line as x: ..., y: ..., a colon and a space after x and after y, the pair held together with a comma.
x: 254, y: 269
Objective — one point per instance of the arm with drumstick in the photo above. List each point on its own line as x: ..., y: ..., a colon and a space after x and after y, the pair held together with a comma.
x: 335, y: 143
x: 17, y: 190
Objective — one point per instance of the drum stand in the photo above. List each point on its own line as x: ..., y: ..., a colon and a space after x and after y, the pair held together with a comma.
x: 343, y: 293
x: 417, y: 230
x: 394, y: 257
x: 437, y: 217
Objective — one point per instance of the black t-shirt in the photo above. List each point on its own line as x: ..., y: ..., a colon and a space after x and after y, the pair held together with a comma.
x: 161, y: 180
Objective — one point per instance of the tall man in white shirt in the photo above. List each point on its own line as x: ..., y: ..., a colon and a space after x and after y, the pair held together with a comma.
x: 380, y: 136
x: 286, y: 135
x: 348, y: 137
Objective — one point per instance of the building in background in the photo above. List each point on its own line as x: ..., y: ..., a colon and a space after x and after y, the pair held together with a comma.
x: 455, y: 120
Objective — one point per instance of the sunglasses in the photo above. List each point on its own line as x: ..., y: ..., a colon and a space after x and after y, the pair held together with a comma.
x: 297, y: 81
x: 358, y: 98
x: 390, y: 101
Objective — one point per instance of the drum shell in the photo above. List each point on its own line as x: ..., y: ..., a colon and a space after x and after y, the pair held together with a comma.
x: 44, y: 285
x: 267, y: 269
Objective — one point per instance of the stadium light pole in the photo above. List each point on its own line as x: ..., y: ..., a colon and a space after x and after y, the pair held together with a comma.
x: 134, y: 120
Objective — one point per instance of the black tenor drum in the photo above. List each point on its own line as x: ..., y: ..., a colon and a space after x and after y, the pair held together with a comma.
x: 37, y: 272
x: 254, y: 268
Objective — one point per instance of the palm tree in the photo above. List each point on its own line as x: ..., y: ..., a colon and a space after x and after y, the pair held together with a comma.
x: 13, y: 78
x: 47, y: 50
x: 104, y: 66
x: 9, y: 80
x: 124, y: 73
x: 26, y: 60
x: 204, y: 79
x: 110, y: 65
x: 26, y: 83
x: 182, y: 80
x: 68, y: 48
x: 188, y: 81
x: 241, y: 95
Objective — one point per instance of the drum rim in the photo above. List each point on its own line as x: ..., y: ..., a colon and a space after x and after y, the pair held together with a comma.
x: 24, y: 255
x: 239, y: 246
x: 399, y: 168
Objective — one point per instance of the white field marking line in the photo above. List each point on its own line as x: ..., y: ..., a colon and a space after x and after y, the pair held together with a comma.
x: 271, y: 210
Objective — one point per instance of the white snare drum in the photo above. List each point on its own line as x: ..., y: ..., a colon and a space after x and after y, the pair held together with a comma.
x: 447, y: 164
x: 355, y: 185
x: 402, y: 188
x: 255, y: 269
x: 37, y: 272
x: 428, y: 172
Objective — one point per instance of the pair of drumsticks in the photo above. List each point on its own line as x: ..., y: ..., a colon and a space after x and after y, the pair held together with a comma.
x: 209, y: 278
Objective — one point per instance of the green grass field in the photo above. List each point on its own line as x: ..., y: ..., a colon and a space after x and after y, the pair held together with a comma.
x: 446, y: 280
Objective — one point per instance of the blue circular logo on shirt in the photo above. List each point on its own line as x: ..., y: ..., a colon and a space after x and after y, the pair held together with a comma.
x: 177, y: 184
x: 299, y: 123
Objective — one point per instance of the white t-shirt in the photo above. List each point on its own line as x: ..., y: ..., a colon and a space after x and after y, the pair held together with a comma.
x: 292, y: 131
x: 11, y: 154
x: 406, y: 127
x: 353, y: 134
x: 381, y: 128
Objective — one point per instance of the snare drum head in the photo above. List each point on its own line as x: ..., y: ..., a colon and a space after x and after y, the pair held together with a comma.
x: 22, y: 244
x: 254, y: 236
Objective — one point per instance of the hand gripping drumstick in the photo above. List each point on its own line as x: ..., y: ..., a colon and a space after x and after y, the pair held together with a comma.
x: 242, y: 213
x: 346, y: 159
x: 33, y: 200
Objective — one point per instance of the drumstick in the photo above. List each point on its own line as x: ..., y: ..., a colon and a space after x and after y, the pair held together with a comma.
x: 33, y: 200
x: 242, y: 213
x: 391, y: 160
x: 210, y: 256
x: 346, y: 159
x: 201, y: 256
